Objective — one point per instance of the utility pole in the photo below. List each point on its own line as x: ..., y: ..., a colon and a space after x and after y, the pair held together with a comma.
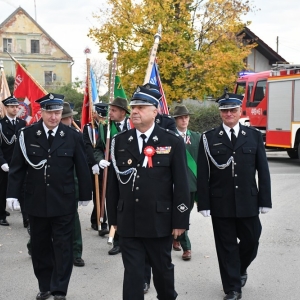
x: 277, y: 43
x: 35, y: 11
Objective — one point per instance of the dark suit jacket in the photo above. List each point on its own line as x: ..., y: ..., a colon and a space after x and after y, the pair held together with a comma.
x: 6, y: 151
x: 228, y: 193
x: 50, y: 191
x: 150, y: 209
x: 166, y: 122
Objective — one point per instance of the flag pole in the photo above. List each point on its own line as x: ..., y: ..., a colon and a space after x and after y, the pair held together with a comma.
x: 29, y: 75
x: 98, y: 209
x: 113, y: 72
x: 157, y: 38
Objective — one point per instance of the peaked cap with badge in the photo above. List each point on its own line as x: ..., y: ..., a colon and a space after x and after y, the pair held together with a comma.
x: 51, y: 102
x: 147, y: 94
x: 101, y: 109
x: 229, y: 100
x: 11, y: 100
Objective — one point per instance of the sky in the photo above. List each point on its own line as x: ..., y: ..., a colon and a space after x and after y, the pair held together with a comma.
x: 68, y: 22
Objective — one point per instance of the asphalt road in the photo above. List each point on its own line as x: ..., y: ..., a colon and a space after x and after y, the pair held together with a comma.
x: 275, y: 274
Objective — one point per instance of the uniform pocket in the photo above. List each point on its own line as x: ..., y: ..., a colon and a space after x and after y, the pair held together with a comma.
x: 34, y: 151
x: 65, y: 152
x: 249, y: 150
x: 218, y: 151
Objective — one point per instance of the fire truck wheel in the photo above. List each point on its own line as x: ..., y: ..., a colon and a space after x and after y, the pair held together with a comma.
x: 293, y: 153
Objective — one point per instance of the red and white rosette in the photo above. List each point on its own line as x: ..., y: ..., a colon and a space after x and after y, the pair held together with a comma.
x: 149, y: 151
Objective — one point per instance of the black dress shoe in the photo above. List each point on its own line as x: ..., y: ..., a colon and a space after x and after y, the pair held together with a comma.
x: 115, y: 250
x: 43, y: 295
x: 4, y: 222
x: 78, y: 262
x: 244, y: 278
x: 94, y: 226
x: 59, y: 297
x: 146, y: 287
x: 233, y: 295
x: 25, y: 223
x: 103, y: 232
x: 7, y: 213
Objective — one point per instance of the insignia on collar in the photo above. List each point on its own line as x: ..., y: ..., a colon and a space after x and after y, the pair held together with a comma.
x: 62, y: 133
x: 155, y: 138
x: 6, y: 121
x: 243, y: 132
x: 157, y: 121
x: 182, y: 208
x: 130, y: 138
x: 129, y: 161
x: 221, y: 132
x: 38, y: 133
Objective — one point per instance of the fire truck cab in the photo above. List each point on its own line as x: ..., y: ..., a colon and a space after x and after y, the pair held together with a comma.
x: 272, y: 104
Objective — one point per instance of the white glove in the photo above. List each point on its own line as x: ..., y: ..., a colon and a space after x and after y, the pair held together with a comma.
x: 104, y: 163
x: 205, y: 213
x: 264, y: 210
x: 83, y: 203
x: 96, y: 169
x: 13, y: 203
x: 5, y: 167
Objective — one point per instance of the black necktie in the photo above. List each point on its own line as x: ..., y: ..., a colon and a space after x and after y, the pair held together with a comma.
x: 13, y: 122
x: 233, y: 136
x: 143, y: 136
x: 118, y: 126
x: 50, y: 137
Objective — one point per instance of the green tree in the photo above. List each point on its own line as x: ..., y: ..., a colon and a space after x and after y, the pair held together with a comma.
x: 199, y: 53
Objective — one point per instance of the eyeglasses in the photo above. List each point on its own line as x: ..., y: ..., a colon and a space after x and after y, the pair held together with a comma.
x: 232, y: 110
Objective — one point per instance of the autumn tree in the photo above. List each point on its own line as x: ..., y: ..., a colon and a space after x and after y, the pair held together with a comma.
x: 199, y: 53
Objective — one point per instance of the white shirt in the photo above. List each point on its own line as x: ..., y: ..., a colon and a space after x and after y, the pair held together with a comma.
x: 147, y: 134
x: 121, y: 124
x: 182, y: 134
x: 46, y: 130
x: 236, y: 130
x: 11, y: 119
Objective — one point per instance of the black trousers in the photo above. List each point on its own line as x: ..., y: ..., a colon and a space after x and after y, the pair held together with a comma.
x: 52, y: 251
x: 3, y: 187
x: 158, y: 251
x: 235, y: 257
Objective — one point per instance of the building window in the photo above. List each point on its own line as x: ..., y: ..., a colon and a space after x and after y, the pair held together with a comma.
x: 35, y: 46
x: 7, y: 45
x: 48, y: 77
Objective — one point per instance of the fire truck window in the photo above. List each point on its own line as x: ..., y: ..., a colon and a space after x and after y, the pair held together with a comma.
x: 240, y: 88
x: 260, y: 91
x: 249, y: 92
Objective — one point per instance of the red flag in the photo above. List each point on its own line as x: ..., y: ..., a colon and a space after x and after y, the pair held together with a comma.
x: 26, y: 87
x: 85, y: 112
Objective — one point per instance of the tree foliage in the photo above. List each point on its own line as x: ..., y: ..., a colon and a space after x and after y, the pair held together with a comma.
x: 199, y: 53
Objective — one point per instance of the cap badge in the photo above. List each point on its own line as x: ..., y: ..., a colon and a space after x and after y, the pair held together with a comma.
x: 129, y: 161
x: 38, y: 133
x: 51, y: 97
x: 138, y: 89
x: 221, y: 132
x: 243, y: 132
x: 62, y: 134
x: 182, y: 208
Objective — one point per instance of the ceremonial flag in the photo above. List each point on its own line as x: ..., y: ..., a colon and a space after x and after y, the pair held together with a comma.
x: 27, y: 87
x: 86, y: 116
x: 4, y: 92
x: 155, y: 79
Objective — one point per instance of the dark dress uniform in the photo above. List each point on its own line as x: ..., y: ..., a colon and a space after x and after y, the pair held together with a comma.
x: 7, y: 133
x: 165, y: 121
x: 233, y: 197
x: 50, y: 198
x: 148, y: 207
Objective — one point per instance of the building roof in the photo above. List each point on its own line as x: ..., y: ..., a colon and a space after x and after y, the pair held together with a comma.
x: 262, y: 47
x: 21, y: 10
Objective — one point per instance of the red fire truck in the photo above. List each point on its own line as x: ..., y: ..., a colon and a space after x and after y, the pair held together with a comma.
x: 272, y: 104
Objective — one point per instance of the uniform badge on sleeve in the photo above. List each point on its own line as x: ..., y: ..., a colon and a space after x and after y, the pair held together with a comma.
x: 182, y: 208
